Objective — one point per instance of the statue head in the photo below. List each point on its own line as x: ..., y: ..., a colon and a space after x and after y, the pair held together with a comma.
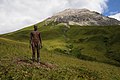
x: 35, y: 28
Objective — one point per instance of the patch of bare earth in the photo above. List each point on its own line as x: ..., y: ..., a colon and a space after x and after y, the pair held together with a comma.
x: 35, y: 64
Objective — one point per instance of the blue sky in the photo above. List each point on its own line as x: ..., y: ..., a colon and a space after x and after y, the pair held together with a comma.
x: 113, y: 7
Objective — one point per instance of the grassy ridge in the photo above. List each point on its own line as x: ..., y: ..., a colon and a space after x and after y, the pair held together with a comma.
x: 15, y: 64
x: 80, y: 52
x: 94, y: 43
x: 67, y: 67
x: 97, y: 42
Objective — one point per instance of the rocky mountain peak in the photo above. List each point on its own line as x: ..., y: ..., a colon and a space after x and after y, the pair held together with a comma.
x: 71, y: 12
x: 83, y: 17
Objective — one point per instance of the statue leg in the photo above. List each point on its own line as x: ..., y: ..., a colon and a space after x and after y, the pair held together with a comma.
x: 38, y: 53
x: 33, y: 53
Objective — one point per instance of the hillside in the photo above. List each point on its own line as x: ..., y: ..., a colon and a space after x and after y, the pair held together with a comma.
x: 70, y: 52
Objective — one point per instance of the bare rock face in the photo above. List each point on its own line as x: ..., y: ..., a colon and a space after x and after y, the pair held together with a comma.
x: 83, y: 17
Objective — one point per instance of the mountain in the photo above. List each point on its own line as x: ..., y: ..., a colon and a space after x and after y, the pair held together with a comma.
x: 83, y: 17
x: 70, y: 52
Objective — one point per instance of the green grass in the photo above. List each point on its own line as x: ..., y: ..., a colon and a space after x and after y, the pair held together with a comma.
x: 67, y: 67
x: 76, y: 53
x: 12, y: 51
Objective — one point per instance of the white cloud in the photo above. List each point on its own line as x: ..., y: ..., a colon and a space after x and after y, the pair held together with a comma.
x: 116, y: 16
x: 16, y: 14
x: 112, y: 13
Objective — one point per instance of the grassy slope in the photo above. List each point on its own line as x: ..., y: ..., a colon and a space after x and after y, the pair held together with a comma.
x: 97, y: 45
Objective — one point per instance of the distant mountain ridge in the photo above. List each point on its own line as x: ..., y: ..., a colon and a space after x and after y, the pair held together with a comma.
x: 83, y: 17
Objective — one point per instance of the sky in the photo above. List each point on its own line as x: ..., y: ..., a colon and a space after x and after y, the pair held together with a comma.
x: 17, y: 14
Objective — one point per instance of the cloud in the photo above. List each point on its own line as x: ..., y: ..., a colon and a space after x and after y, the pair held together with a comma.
x: 116, y: 16
x: 16, y: 14
x: 113, y: 13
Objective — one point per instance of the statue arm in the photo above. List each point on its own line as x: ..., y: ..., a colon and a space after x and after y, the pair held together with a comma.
x: 40, y: 39
x: 30, y: 38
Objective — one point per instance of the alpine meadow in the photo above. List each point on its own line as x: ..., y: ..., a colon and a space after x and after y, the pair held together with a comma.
x: 77, y: 45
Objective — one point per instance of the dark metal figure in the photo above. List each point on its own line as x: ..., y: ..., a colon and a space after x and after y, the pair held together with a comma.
x: 36, y: 43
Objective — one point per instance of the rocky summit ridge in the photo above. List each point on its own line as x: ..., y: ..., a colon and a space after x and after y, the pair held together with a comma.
x: 83, y: 17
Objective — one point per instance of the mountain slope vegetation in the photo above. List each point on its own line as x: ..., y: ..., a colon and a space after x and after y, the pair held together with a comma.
x: 69, y: 52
